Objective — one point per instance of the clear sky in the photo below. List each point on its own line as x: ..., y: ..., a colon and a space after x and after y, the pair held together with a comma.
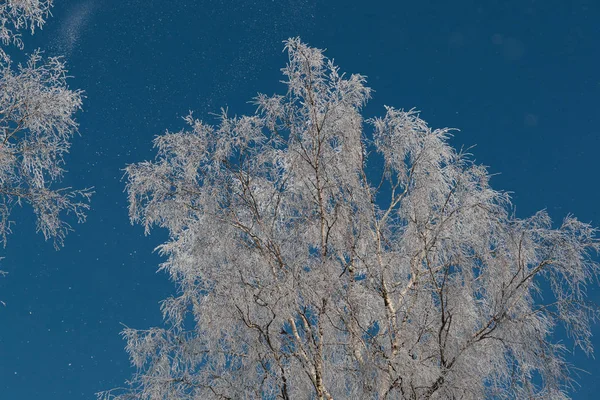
x: 519, y: 78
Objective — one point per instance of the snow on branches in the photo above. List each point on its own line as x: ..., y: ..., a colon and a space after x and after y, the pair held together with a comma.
x: 301, y: 276
x: 37, y: 110
x: 36, y: 125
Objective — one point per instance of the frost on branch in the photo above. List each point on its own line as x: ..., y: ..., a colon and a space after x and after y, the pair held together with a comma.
x: 36, y: 125
x: 300, y: 277
x: 16, y: 15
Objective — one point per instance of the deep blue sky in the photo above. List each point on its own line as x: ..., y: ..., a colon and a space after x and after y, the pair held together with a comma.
x: 519, y: 78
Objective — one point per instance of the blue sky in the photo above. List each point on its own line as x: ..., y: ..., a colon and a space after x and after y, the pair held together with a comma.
x: 519, y: 78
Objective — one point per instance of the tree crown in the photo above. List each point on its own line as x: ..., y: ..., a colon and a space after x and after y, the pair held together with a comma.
x: 301, y: 276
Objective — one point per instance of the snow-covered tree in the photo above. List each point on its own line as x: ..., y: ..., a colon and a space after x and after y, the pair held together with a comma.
x: 306, y: 271
x: 36, y: 124
x: 16, y: 15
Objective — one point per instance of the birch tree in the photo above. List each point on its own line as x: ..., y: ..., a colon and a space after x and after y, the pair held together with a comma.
x: 16, y: 15
x: 36, y: 124
x: 321, y: 256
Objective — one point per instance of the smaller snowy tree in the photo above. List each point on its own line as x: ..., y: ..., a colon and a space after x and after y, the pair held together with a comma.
x: 36, y: 124
x: 16, y: 15
x: 305, y: 274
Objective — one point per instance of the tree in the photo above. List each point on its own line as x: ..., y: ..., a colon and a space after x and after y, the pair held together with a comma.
x: 21, y: 14
x: 308, y: 270
x: 36, y: 124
